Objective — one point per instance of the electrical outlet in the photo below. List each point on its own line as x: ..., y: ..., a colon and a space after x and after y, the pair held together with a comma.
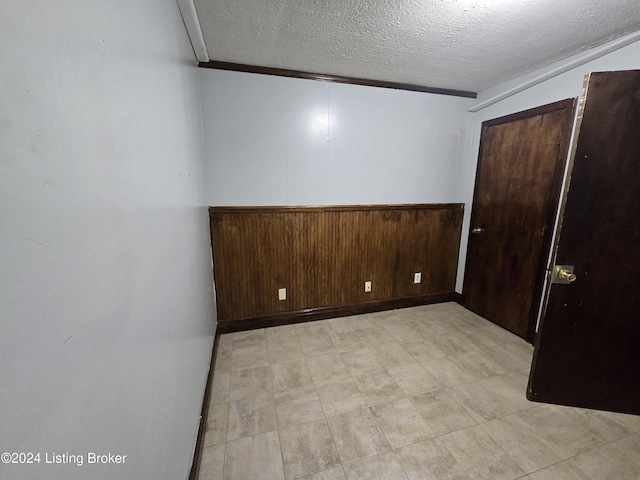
x: 417, y: 277
x: 282, y: 294
x: 367, y: 287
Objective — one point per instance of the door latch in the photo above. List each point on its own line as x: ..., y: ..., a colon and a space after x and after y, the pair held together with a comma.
x: 563, y: 274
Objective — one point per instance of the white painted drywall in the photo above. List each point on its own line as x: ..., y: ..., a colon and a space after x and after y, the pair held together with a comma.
x: 285, y: 141
x: 106, y: 296
x: 567, y: 85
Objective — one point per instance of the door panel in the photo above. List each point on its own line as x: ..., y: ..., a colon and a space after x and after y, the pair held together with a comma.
x: 587, y: 352
x: 520, y: 167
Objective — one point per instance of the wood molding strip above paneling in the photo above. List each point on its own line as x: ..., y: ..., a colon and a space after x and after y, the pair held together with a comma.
x: 335, y: 208
x: 309, y: 315
x: 281, y: 72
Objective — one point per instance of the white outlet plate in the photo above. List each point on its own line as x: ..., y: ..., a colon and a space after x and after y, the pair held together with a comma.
x: 367, y: 287
x: 417, y: 277
x: 282, y: 294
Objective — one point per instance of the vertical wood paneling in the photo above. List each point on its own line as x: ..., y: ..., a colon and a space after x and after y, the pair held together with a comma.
x: 323, y: 255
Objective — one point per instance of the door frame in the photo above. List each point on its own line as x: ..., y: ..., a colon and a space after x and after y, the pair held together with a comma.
x: 554, y: 197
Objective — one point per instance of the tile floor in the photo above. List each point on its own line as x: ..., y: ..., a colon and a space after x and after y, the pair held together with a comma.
x: 431, y: 392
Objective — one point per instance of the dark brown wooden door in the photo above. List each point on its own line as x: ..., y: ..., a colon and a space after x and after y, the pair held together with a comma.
x: 520, y: 168
x: 587, y: 352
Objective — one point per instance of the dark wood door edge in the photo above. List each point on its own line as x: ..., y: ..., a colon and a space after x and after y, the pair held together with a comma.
x: 197, y: 453
x: 300, y: 316
x: 554, y: 204
x: 282, y: 72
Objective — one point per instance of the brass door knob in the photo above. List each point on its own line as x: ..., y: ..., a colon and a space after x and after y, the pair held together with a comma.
x: 566, y: 275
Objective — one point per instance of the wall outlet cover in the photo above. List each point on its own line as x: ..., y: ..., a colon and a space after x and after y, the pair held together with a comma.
x: 282, y: 294
x: 417, y: 277
x: 367, y: 287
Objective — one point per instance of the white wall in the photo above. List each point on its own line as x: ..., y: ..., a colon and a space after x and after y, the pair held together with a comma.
x: 106, y: 301
x: 567, y: 85
x: 284, y: 141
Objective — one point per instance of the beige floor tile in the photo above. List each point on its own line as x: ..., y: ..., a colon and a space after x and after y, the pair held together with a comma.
x: 529, y: 451
x: 315, y: 341
x: 476, y: 336
x: 211, y: 438
x: 423, y: 350
x: 339, y: 396
x: 288, y: 375
x: 453, y: 343
x: 512, y: 387
x: 456, y: 368
x: 556, y: 425
x: 450, y: 373
x: 307, y: 449
x: 414, y: 379
x: 281, y: 334
x: 480, y: 456
x: 336, y: 473
x: 362, y: 361
x: 430, y: 460
x: 216, y: 432
x: 220, y: 388
x: 212, y: 463
x: 252, y: 354
x: 284, y: 351
x: 383, y: 466
x: 566, y: 470
x: 629, y: 446
x: 378, y: 388
x: 223, y: 361
x: 305, y: 328
x: 357, y: 435
x: 401, y: 423
x: 338, y: 325
x: 298, y: 405
x: 605, y: 426
x: 250, y: 382
x: 373, y: 336
x: 251, y: 416
x: 345, y: 342
x: 254, y: 457
x: 508, y: 360
x: 247, y: 336
x: 480, y: 362
x: 632, y: 421
x: 430, y: 327
x: 361, y: 322
x: 326, y: 367
x: 481, y: 403
x: 607, y: 463
x: 403, y: 332
x: 442, y: 412
x: 367, y: 337
x: 392, y: 355
x: 496, y: 333
x: 225, y: 342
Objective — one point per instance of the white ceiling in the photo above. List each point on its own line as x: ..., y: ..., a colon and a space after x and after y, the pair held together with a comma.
x: 455, y: 44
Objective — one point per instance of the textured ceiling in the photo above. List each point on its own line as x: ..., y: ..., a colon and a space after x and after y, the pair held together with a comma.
x: 457, y: 44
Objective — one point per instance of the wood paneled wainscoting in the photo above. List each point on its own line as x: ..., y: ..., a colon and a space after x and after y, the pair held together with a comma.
x: 323, y: 256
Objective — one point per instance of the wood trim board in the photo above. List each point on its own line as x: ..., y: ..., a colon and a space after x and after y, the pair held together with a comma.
x: 282, y: 72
